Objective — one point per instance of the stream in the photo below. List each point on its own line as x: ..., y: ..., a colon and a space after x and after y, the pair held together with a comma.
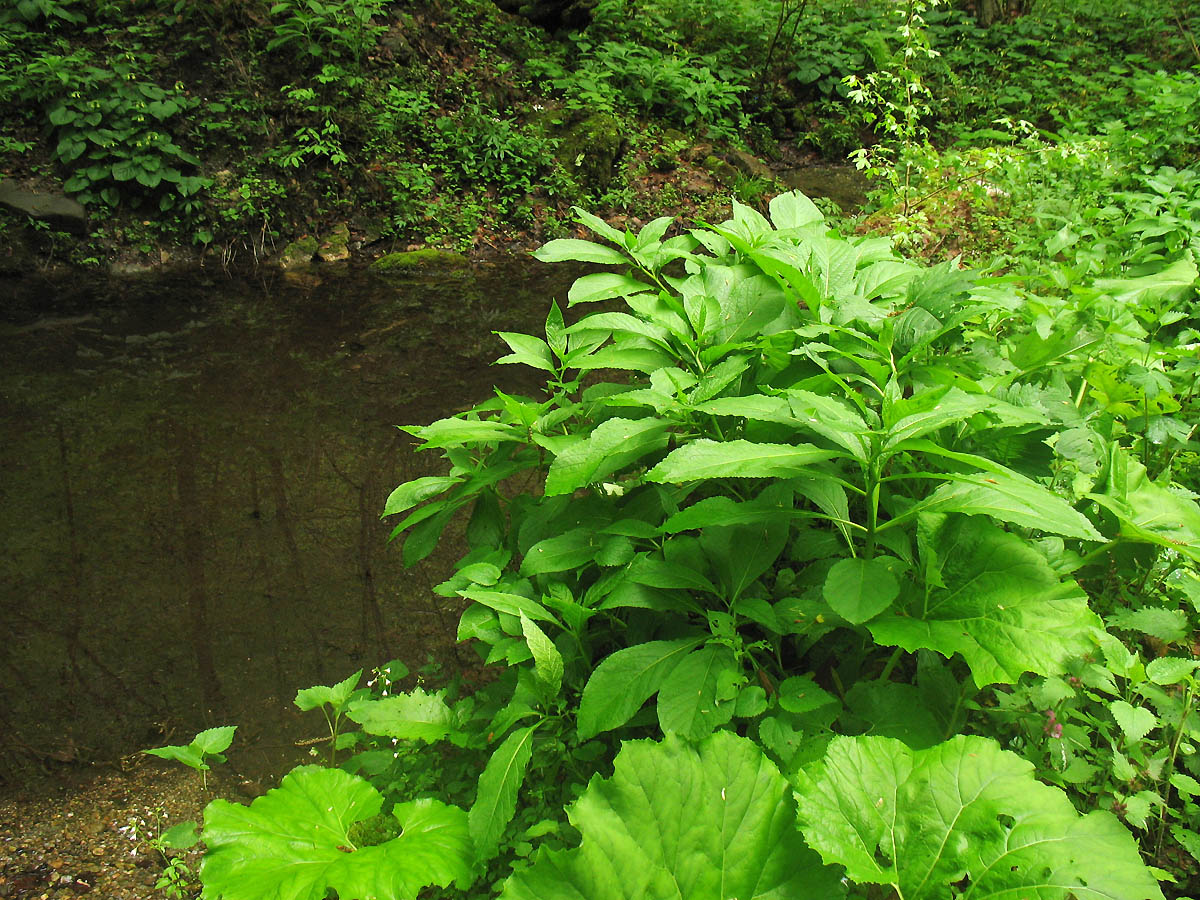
x: 192, y: 468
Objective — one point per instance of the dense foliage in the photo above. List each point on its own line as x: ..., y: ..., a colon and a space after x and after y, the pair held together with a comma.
x: 879, y: 573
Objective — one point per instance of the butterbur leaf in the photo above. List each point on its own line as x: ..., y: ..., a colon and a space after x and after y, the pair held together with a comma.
x: 860, y: 589
x: 625, y: 680
x: 412, y: 716
x: 496, y: 798
x: 961, y: 812
x: 293, y: 843
x: 1135, y: 722
x: 680, y: 821
x: 1000, y: 605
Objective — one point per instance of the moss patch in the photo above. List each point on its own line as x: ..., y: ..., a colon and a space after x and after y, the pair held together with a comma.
x: 407, y: 261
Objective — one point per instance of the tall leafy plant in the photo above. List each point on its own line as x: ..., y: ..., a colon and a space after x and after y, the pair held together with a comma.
x: 816, y: 508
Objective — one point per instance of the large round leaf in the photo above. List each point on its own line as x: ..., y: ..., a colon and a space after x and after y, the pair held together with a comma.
x: 293, y: 843
x: 678, y: 821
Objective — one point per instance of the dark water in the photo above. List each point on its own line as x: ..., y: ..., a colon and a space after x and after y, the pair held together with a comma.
x: 191, y: 474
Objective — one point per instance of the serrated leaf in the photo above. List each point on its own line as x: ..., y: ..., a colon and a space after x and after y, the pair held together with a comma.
x: 526, y: 350
x: 1135, y: 722
x: 548, y: 662
x: 561, y: 553
x: 496, y: 797
x: 512, y: 604
x: 800, y: 694
x: 860, y: 589
x: 1170, y: 669
x: 566, y: 249
x: 415, y: 716
x: 961, y: 812
x: 1168, y: 625
x: 1010, y: 497
x: 214, y: 740
x: 625, y: 680
x: 611, y: 446
x: 681, y: 821
x: 687, y: 701
x: 1000, y: 605
x: 1148, y: 512
x: 722, y: 510
x: 320, y: 694
x: 705, y: 458
x: 448, y: 433
x: 293, y: 843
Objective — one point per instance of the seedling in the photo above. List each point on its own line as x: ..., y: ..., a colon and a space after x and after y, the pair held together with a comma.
x: 207, y: 746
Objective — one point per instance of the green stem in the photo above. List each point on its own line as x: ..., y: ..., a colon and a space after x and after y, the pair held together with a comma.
x: 891, y: 664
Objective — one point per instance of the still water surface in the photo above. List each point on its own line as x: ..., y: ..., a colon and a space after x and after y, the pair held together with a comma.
x: 191, y: 473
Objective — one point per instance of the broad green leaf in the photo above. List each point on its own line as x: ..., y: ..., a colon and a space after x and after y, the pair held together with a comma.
x: 680, y: 821
x: 561, y: 553
x: 739, y: 554
x: 801, y: 694
x: 1135, y: 722
x: 565, y: 249
x: 182, y: 836
x: 1170, y: 669
x: 320, y: 694
x: 963, y: 812
x: 446, y: 433
x: 794, y: 210
x: 612, y: 446
x: 722, y: 510
x: 688, y: 702
x: 604, y: 286
x: 895, y: 710
x: 409, y: 494
x: 746, y: 308
x: 1168, y: 625
x: 1010, y: 497
x: 1179, y: 275
x: 188, y: 755
x: 526, y: 350
x: 951, y: 406
x: 736, y: 459
x: 1148, y: 512
x: 625, y: 680
x: 599, y: 226
x: 548, y: 662
x: 999, y: 604
x: 860, y: 589
x: 630, y: 358
x: 214, y: 740
x: 293, y: 843
x: 496, y: 797
x: 415, y: 716
x: 513, y: 604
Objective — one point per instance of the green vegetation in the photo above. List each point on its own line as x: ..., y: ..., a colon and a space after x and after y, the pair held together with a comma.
x: 876, y: 537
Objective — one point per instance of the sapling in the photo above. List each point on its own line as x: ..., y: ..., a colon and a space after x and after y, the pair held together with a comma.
x: 207, y: 746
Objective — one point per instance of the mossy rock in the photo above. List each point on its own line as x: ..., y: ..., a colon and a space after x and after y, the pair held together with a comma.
x: 592, y: 147
x: 336, y: 246
x: 299, y: 252
x: 720, y: 170
x: 402, y: 263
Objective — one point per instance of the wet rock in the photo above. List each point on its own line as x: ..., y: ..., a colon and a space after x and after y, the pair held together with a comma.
x: 57, y: 209
x: 401, y: 263
x: 298, y: 253
x: 592, y: 147
x: 336, y: 245
x: 748, y: 164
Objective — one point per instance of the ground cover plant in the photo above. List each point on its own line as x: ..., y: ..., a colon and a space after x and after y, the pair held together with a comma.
x: 855, y: 552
